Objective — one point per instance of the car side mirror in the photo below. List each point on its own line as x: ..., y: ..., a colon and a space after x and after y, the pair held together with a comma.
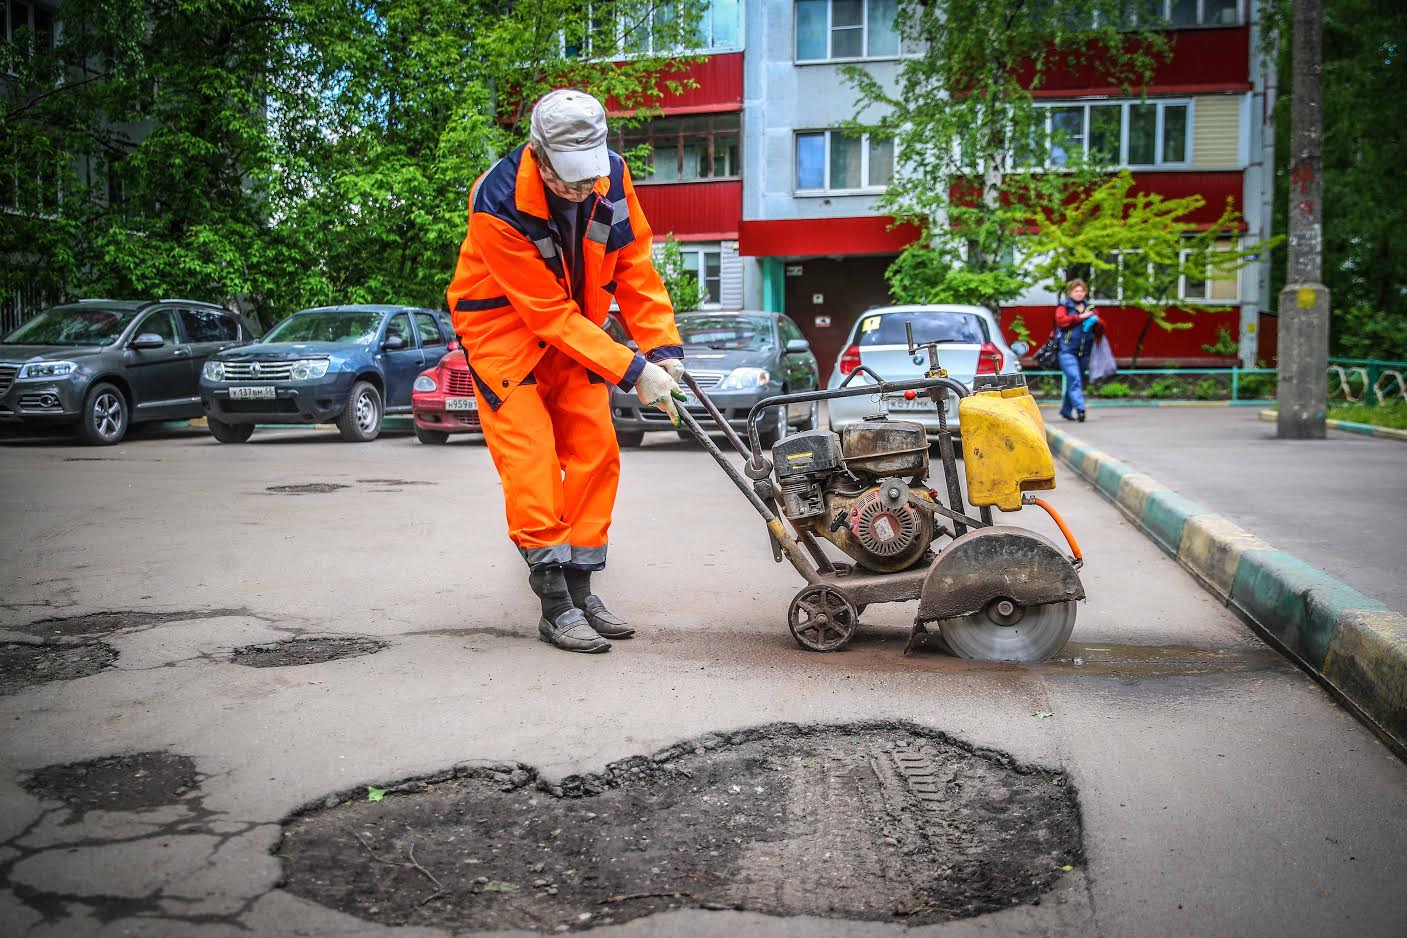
x: 797, y: 345
x: 1020, y: 348
x: 393, y: 343
x: 147, y: 340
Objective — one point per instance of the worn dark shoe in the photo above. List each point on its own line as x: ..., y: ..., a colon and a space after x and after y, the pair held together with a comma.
x: 604, y: 621
x: 572, y: 632
x: 1081, y: 417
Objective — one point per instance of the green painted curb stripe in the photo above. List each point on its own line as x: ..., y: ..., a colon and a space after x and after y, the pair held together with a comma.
x: 1355, y: 644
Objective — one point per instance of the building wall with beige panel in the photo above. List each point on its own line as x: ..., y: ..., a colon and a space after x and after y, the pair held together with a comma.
x: 1216, y: 132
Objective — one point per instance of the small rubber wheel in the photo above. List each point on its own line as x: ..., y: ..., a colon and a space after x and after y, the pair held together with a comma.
x: 630, y: 439
x: 813, y: 418
x: 431, y: 437
x: 822, y: 618
x: 360, y: 421
x: 104, y: 418
x: 229, y: 432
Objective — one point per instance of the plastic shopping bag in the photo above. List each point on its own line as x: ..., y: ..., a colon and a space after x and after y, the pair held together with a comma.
x: 1101, y: 360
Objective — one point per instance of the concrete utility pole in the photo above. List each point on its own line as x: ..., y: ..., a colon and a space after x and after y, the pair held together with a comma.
x: 1303, y: 344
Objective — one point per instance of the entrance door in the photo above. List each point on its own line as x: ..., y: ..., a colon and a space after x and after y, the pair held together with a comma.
x: 845, y: 288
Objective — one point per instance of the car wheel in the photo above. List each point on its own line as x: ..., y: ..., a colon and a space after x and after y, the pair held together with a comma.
x: 629, y: 439
x: 104, y: 417
x: 775, y: 428
x: 433, y: 437
x: 229, y: 432
x: 361, y: 418
x: 813, y: 418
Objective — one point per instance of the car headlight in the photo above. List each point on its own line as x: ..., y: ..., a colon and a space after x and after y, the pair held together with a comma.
x: 745, y: 379
x: 425, y: 383
x: 309, y: 369
x: 47, y: 370
x: 213, y: 370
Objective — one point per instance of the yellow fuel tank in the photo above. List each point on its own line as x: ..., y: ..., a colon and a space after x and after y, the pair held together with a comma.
x: 1003, y: 447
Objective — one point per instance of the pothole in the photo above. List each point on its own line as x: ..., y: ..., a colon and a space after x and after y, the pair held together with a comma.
x: 102, y: 623
x: 117, y: 783
x: 25, y: 665
x: 875, y: 823
x: 306, y: 488
x: 293, y: 651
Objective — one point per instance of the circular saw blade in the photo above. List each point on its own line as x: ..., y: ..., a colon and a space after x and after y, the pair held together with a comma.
x: 1041, y: 632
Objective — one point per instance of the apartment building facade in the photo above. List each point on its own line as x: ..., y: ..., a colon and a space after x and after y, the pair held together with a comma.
x: 765, y: 191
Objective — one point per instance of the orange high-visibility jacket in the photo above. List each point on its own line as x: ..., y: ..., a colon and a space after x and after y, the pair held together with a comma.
x: 511, y: 295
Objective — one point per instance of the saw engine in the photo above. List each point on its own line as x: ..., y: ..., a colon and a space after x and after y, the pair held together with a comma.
x: 863, y: 490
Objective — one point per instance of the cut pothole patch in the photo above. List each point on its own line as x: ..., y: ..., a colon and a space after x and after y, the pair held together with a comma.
x: 117, y: 783
x: 876, y: 823
x: 293, y: 651
x: 25, y: 665
x: 395, y: 482
x: 306, y: 488
x: 103, y: 623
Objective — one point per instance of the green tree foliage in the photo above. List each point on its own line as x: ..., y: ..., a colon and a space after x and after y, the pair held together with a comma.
x: 964, y: 119
x: 682, y: 284
x: 285, y: 153
x: 1365, y: 150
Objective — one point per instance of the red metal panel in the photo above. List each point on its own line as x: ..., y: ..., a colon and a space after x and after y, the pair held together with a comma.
x: 688, y: 209
x: 1123, y: 324
x: 812, y: 237
x: 719, y: 87
x: 1216, y: 188
x: 1202, y: 60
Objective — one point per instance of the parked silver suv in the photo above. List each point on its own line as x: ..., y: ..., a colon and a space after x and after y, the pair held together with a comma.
x: 103, y: 366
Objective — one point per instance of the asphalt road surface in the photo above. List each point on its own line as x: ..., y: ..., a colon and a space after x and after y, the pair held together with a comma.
x: 1221, y: 791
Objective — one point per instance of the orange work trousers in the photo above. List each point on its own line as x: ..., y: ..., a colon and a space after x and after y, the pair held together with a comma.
x: 556, y: 453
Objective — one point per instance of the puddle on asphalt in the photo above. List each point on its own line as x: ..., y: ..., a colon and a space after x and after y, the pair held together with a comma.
x: 117, y: 783
x: 295, y: 651
x: 874, y: 823
x: 306, y: 488
x: 103, y: 623
x: 26, y: 665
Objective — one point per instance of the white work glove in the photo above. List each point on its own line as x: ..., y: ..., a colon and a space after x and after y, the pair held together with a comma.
x: 675, y: 367
x: 657, y: 389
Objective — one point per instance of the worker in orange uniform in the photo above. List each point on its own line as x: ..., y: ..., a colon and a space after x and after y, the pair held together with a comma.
x: 555, y: 232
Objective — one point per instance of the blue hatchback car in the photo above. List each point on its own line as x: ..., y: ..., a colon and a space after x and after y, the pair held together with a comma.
x: 347, y: 364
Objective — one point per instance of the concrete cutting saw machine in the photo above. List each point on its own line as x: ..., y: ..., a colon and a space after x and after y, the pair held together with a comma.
x: 993, y: 592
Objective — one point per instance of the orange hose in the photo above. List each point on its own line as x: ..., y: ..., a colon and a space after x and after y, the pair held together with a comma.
x: 1060, y: 523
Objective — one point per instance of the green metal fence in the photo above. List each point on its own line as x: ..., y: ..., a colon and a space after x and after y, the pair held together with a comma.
x: 1373, y: 381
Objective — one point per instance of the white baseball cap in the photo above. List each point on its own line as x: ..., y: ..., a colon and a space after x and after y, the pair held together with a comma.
x: 570, y: 126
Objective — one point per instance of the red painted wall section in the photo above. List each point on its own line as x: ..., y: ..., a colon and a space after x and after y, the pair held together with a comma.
x: 1123, y: 324
x: 692, y: 208
x: 1216, y: 188
x: 1202, y: 60
x: 812, y: 237
x: 719, y: 86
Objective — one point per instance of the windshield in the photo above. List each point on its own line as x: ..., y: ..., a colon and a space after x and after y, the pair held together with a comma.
x: 72, y: 325
x: 888, y: 328
x: 727, y: 332
x: 326, y: 327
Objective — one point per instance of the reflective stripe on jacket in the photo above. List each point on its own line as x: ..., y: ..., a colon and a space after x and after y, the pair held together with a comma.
x: 511, y: 293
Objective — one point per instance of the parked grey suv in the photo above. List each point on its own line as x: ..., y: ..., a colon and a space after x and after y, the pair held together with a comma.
x: 105, y: 366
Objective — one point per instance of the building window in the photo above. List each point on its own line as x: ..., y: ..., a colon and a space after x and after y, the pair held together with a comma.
x: 706, y: 263
x: 1181, y: 14
x: 1117, y: 133
x: 614, y: 35
x: 30, y: 180
x: 29, y: 25
x: 687, y: 149
x: 833, y: 161
x: 830, y: 30
x: 1211, y: 288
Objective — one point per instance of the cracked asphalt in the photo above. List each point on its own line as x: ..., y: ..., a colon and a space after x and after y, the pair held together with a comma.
x: 1222, y: 792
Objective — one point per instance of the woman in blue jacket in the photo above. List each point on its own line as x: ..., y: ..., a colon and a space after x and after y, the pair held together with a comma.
x: 1075, y: 319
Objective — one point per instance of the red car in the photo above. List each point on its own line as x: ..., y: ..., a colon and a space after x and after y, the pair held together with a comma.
x: 442, y: 400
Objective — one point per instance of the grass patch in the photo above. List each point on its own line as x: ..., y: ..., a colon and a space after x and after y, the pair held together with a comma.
x: 1392, y: 414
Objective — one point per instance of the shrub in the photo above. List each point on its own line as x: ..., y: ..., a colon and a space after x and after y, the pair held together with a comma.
x: 1166, y: 389
x: 1113, y: 389
x: 1256, y: 387
x: 1046, y: 388
x: 1208, y: 389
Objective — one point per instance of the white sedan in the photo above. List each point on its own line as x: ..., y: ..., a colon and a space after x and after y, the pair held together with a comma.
x: 969, y: 341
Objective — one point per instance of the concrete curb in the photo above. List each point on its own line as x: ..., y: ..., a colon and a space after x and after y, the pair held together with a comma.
x: 1352, y: 426
x: 1352, y: 644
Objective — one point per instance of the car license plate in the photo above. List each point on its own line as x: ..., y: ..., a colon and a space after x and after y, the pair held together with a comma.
x: 921, y: 402
x: 263, y: 392
x: 461, y: 403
